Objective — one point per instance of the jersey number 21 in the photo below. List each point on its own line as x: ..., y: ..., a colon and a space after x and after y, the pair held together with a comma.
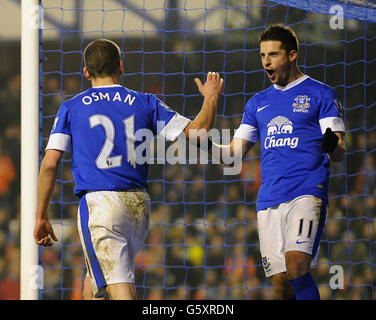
x: 104, y: 161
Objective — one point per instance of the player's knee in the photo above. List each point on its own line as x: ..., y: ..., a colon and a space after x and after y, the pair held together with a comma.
x: 285, y: 292
x: 282, y: 287
x: 297, y: 264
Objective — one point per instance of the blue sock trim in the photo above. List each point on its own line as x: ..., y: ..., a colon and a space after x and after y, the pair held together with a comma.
x: 305, y: 288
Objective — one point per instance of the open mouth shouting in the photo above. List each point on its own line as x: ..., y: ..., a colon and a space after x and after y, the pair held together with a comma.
x: 271, y: 74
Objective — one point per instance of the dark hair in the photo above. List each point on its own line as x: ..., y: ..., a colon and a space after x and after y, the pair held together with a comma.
x: 102, y: 58
x: 281, y: 33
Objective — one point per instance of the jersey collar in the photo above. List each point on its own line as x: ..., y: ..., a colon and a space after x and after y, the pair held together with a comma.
x: 292, y: 84
x: 108, y: 86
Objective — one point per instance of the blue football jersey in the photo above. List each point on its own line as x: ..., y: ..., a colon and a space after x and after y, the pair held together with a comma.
x: 103, y: 127
x: 290, y: 122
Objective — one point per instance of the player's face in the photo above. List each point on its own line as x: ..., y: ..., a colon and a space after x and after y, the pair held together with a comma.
x: 275, y: 62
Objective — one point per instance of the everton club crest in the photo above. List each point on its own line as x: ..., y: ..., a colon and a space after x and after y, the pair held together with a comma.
x: 301, y: 103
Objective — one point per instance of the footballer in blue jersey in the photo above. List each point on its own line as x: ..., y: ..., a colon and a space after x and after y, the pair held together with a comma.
x: 103, y: 121
x: 289, y: 122
x: 299, y: 125
x: 105, y: 127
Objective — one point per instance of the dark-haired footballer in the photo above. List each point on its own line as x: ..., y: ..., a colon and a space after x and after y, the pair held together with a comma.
x: 299, y: 125
x: 99, y: 125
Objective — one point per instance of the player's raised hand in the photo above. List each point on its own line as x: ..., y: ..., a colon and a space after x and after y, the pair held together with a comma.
x: 43, y: 232
x: 211, y: 91
x: 213, y: 86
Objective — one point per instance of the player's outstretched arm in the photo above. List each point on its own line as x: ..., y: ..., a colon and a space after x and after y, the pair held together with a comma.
x: 43, y: 231
x: 238, y: 148
x: 211, y: 90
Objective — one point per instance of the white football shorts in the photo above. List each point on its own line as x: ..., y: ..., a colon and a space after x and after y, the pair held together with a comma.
x: 295, y: 225
x: 112, y: 226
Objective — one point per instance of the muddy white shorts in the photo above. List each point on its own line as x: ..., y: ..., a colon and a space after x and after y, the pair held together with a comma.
x: 113, y: 226
x: 295, y: 225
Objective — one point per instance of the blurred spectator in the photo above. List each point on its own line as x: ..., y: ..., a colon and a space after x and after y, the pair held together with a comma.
x: 10, y: 101
x: 366, y: 180
x: 10, y: 284
x: 157, y: 85
x: 7, y: 173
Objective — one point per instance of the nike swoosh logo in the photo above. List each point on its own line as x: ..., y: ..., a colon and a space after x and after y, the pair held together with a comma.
x: 300, y: 242
x: 259, y: 109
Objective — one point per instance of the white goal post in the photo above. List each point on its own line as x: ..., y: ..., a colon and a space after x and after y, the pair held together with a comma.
x: 29, y: 147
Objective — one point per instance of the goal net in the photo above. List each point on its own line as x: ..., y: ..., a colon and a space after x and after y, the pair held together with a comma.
x: 203, y: 241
